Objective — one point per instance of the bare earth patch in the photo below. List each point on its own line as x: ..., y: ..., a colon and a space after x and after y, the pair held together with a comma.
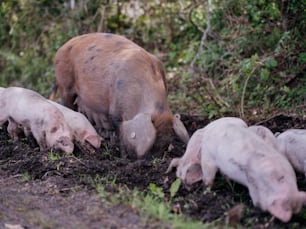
x: 43, y: 190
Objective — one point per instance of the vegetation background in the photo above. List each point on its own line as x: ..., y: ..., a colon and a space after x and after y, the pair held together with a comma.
x: 222, y: 57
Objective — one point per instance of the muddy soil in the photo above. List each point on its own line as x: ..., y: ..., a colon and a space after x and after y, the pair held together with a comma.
x: 40, y: 190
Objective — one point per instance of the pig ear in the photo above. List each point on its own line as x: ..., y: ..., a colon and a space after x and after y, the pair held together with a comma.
x: 94, y: 140
x: 281, y: 209
x: 139, y: 133
x: 302, y: 198
x: 173, y: 164
x: 180, y: 129
x: 194, y: 174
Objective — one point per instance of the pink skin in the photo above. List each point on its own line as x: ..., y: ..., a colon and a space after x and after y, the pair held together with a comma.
x: 82, y: 129
x: 246, y: 158
x: 31, y: 112
x: 267, y: 135
x: 188, y: 165
x: 293, y: 146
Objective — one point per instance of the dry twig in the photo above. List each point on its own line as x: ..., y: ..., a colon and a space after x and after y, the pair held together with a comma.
x: 204, y: 36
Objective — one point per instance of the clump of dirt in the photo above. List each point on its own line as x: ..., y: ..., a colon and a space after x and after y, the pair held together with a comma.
x: 40, y: 189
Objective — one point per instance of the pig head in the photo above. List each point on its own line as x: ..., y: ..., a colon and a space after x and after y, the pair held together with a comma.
x: 117, y: 84
x: 188, y: 167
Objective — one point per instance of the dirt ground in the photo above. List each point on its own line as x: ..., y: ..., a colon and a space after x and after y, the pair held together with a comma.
x: 38, y: 192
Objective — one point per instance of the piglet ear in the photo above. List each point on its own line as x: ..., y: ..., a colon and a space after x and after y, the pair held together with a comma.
x: 193, y: 174
x: 94, y: 140
x: 180, y: 129
x: 281, y: 209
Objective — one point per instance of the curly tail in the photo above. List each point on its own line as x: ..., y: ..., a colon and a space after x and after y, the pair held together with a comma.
x: 52, y: 96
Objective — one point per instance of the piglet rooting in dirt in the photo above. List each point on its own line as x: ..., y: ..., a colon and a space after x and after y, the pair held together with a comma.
x: 292, y: 144
x: 228, y: 145
x: 82, y: 129
x: 28, y: 111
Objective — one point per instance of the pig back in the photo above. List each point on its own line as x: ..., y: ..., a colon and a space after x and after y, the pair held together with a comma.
x: 110, y: 74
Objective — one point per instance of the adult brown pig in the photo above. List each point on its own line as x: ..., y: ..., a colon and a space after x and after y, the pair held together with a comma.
x: 118, y: 85
x: 246, y: 158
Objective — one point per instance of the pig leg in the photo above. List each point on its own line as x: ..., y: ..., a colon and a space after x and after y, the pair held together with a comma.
x: 173, y: 164
x: 27, y: 131
x: 30, y: 137
x: 209, y: 171
x: 40, y: 137
x: 68, y: 97
x: 13, y: 129
x: 123, y: 150
x: 209, y: 168
x: 3, y: 117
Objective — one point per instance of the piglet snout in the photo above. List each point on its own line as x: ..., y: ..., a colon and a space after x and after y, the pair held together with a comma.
x: 65, y: 144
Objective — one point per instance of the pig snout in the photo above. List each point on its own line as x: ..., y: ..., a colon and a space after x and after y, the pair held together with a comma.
x: 65, y: 144
x: 281, y: 209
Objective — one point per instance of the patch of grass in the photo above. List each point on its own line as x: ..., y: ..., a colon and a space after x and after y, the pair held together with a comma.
x: 26, y: 176
x: 54, y: 156
x: 151, y: 205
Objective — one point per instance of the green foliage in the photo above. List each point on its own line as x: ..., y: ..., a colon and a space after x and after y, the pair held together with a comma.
x: 150, y: 206
x: 175, y: 187
x: 250, y: 61
x: 26, y: 176
x: 213, y: 84
x: 54, y: 156
x: 156, y: 191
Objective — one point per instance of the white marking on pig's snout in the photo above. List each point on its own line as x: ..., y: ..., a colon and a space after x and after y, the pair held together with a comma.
x: 133, y: 135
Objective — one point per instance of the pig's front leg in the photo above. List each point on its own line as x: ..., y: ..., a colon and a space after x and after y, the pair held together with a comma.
x: 40, y: 137
x: 3, y: 118
x: 209, y: 167
x: 13, y: 129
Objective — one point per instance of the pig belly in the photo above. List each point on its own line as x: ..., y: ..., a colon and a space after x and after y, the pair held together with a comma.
x: 99, y: 118
x: 235, y: 170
